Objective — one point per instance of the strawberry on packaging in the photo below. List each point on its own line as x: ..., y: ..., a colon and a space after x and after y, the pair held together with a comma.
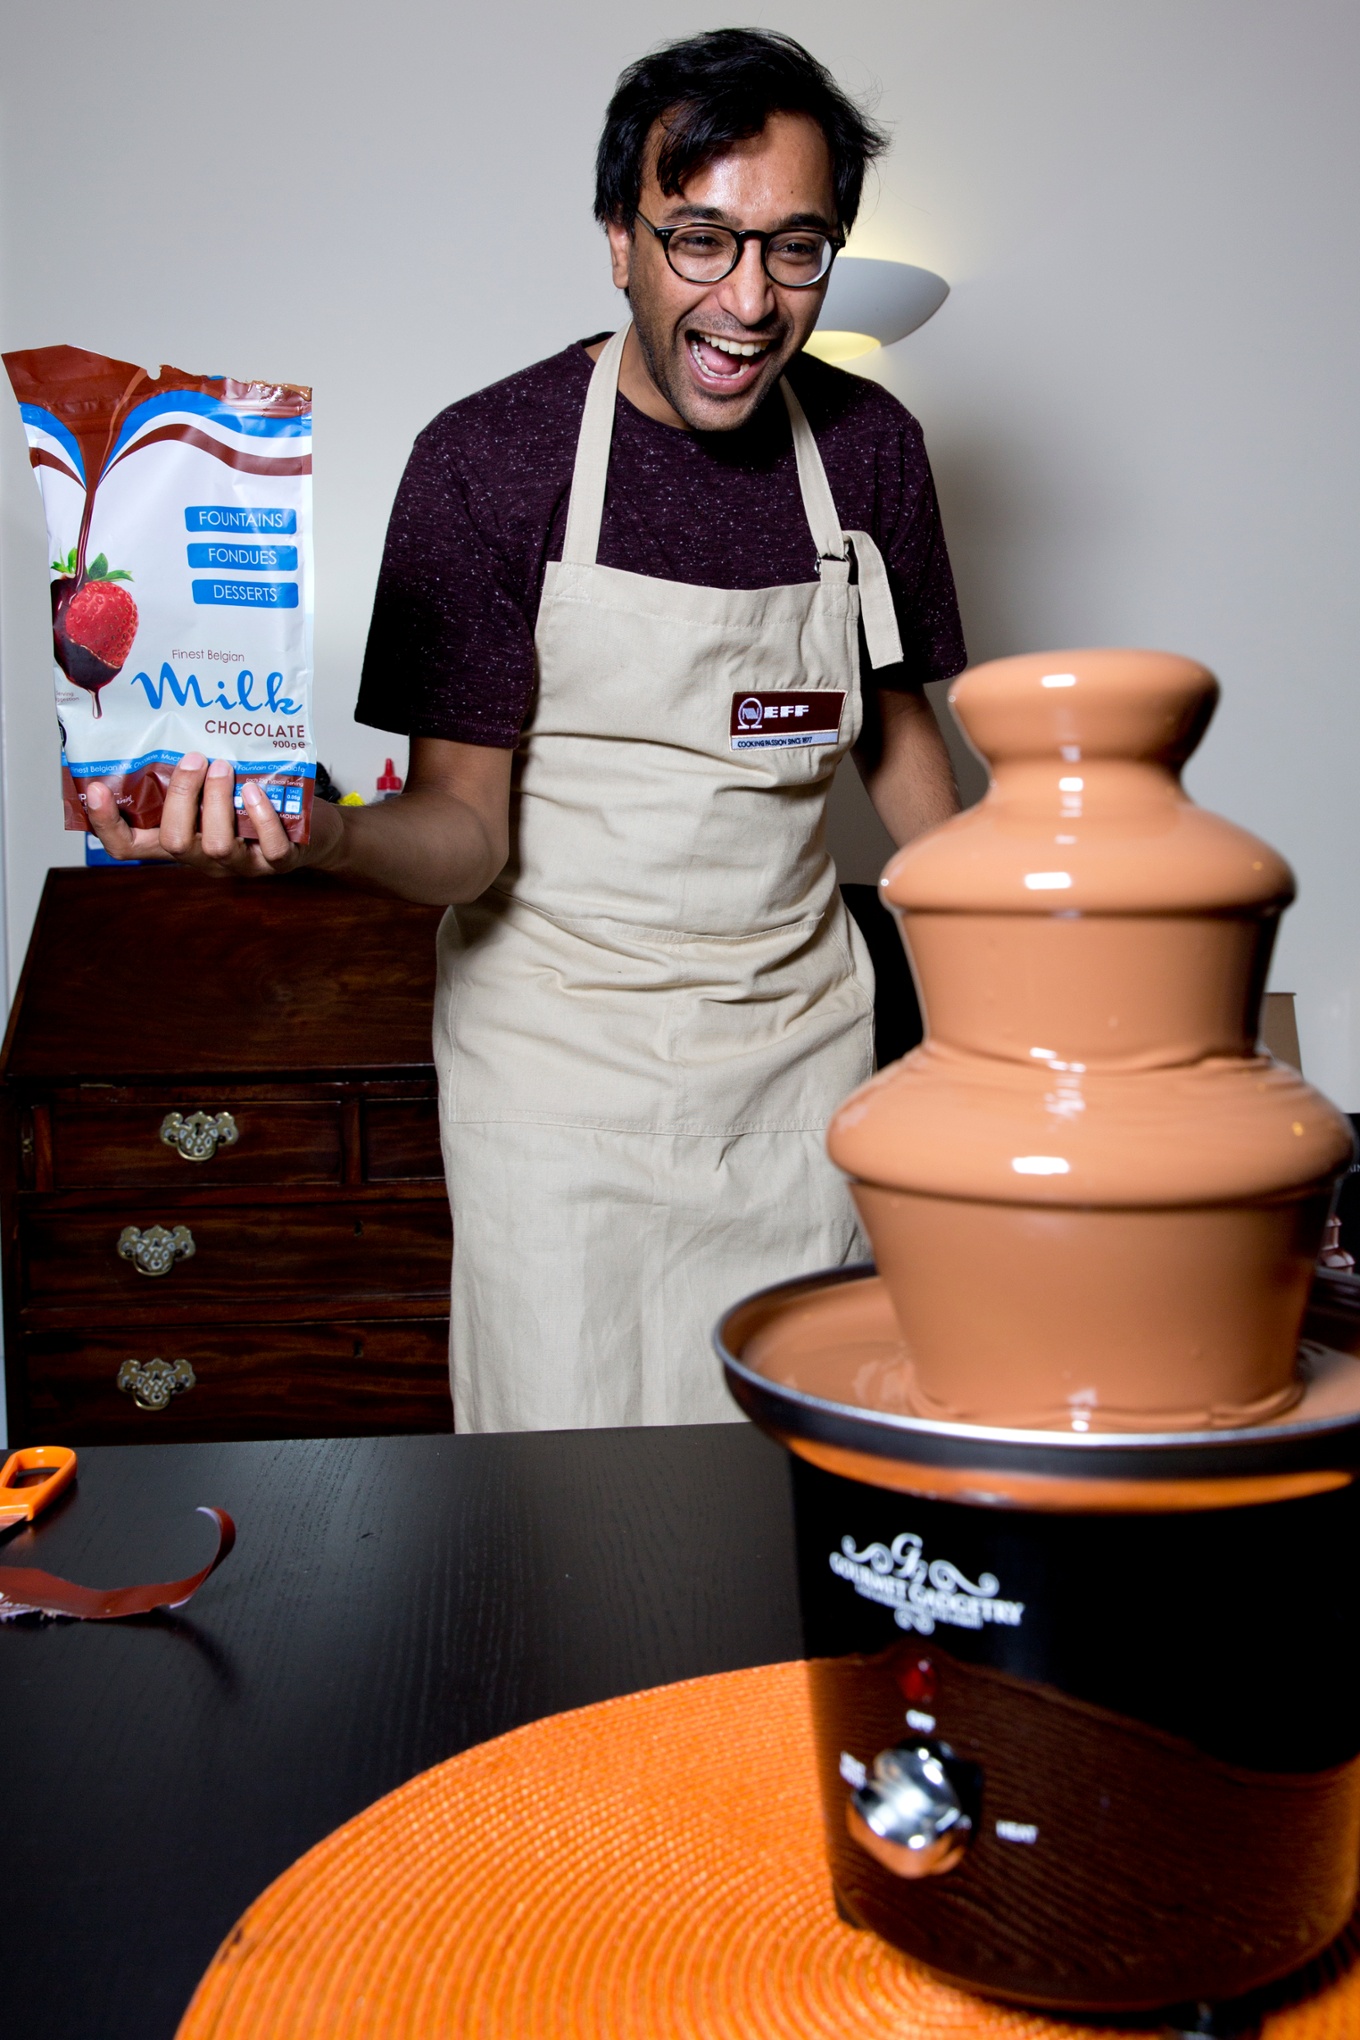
x: 94, y: 622
x: 179, y: 510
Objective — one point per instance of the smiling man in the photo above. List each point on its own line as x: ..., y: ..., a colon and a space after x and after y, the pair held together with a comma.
x: 714, y: 328
x: 637, y: 603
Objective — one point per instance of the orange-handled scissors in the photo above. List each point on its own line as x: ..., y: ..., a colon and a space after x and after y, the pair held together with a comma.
x: 32, y: 1478
x: 29, y: 1480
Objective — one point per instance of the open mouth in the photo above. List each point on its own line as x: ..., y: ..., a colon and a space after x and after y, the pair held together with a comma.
x: 722, y: 362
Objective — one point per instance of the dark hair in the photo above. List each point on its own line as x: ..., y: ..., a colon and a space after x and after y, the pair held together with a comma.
x: 716, y: 89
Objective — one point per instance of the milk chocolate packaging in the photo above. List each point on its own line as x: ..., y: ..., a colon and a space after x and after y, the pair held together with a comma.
x: 179, y: 523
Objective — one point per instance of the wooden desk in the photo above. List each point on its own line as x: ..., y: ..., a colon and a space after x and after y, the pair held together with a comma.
x: 389, y: 1602
x: 303, y: 1263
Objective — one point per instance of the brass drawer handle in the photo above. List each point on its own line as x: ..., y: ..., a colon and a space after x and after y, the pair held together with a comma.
x: 152, y: 1385
x: 198, y: 1135
x: 155, y: 1251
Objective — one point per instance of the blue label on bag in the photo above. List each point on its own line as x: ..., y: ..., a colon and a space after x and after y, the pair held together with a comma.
x: 234, y: 517
x: 245, y: 559
x: 248, y: 594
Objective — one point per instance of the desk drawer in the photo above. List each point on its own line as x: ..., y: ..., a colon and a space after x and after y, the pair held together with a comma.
x: 283, y: 1142
x: 222, y: 1255
x: 248, y: 1381
x: 401, y: 1141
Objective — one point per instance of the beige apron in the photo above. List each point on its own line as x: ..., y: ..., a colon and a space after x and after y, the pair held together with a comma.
x: 644, y: 1025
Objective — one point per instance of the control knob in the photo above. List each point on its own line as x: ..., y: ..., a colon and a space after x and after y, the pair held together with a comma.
x: 908, y: 1815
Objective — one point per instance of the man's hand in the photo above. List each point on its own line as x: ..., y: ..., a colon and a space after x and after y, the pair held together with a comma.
x: 441, y: 841
x: 198, y: 825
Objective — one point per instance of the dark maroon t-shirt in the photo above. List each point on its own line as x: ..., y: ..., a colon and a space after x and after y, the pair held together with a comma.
x: 482, y: 508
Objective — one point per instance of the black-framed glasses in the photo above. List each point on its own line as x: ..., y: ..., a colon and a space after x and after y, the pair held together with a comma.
x: 698, y: 251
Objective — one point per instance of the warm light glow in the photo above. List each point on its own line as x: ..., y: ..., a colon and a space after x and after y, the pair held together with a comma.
x: 1048, y: 881
x: 1072, y: 785
x: 1040, y: 1165
x: 838, y: 347
x: 1059, y: 680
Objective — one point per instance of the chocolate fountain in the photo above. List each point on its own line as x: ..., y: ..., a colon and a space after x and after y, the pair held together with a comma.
x: 1075, y: 1470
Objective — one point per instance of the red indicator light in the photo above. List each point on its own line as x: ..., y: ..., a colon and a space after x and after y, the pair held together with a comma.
x: 916, y: 1679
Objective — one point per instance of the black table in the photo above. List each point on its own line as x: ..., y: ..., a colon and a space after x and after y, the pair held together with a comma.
x: 390, y: 1601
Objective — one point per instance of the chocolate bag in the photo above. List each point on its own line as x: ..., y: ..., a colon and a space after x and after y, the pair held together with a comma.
x: 179, y: 520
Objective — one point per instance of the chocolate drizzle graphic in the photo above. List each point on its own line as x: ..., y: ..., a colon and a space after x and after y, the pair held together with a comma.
x: 920, y: 1593
x: 93, y: 620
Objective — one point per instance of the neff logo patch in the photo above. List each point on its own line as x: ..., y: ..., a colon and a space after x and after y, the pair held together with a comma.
x: 768, y: 722
x: 920, y: 1594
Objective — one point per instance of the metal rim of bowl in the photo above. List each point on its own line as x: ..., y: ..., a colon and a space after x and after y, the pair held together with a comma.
x: 1286, y: 1445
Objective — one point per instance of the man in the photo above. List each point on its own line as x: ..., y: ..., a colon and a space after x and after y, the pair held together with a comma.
x: 636, y: 603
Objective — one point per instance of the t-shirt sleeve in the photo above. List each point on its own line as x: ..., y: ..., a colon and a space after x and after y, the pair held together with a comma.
x: 920, y: 576
x: 451, y: 645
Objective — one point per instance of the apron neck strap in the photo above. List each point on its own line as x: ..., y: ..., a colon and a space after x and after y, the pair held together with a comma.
x: 819, y: 505
x: 877, y: 612
x: 586, y: 505
x: 585, y: 509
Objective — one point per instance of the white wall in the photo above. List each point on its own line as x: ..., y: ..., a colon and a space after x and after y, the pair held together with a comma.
x: 1141, y: 397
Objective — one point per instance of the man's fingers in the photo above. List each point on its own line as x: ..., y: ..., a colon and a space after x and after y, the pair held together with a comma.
x: 101, y: 811
x: 179, y: 815
x: 146, y: 844
x: 219, y: 809
x: 199, y: 823
x: 275, y: 847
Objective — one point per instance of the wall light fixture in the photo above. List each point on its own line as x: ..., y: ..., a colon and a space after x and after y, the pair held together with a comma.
x: 871, y: 304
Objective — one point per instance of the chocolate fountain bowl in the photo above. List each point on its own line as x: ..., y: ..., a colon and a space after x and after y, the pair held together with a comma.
x: 1084, y: 1701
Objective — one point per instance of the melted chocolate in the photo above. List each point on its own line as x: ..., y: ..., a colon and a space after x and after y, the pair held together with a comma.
x: 1094, y: 1204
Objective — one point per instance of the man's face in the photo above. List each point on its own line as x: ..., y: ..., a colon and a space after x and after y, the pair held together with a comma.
x: 779, y: 178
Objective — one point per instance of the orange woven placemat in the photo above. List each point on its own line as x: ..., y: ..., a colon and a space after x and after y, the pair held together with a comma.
x: 647, y: 1869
